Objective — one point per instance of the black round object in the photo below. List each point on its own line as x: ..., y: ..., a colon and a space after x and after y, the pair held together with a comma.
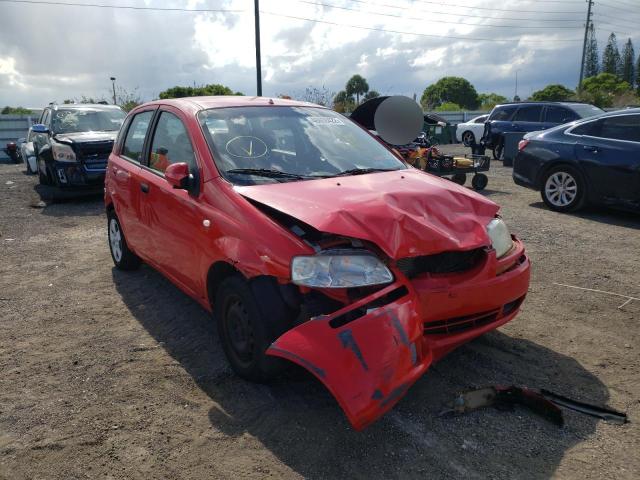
x: 479, y: 181
x: 459, y: 178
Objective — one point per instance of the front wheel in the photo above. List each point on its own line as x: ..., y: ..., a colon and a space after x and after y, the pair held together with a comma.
x: 468, y: 138
x: 250, y: 315
x: 563, y: 189
x: 498, y: 151
x: 123, y: 258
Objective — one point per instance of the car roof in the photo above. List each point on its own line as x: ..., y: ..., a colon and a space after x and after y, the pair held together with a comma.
x: 93, y: 106
x: 221, y: 101
x: 565, y: 103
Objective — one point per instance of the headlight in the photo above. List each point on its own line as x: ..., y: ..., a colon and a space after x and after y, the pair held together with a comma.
x: 339, y: 269
x: 63, y: 153
x: 500, y: 237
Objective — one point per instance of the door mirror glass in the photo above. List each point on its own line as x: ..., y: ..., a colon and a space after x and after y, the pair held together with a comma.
x: 39, y: 128
x: 177, y: 174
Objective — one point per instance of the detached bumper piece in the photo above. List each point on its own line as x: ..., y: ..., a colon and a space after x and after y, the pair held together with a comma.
x: 367, y: 363
x: 542, y: 402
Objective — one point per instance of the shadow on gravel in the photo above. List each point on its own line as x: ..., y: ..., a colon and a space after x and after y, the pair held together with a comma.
x: 299, y: 422
x: 59, y: 202
x: 618, y: 218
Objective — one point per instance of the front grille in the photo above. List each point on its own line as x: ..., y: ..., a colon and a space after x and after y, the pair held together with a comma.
x: 460, y: 324
x: 446, y: 262
x: 94, y: 155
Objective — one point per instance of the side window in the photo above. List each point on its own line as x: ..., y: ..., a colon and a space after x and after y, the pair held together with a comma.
x: 134, y: 141
x: 503, y: 113
x: 481, y: 119
x: 589, y: 128
x: 560, y: 115
x: 529, y: 113
x: 623, y: 127
x: 46, y: 116
x: 170, y: 144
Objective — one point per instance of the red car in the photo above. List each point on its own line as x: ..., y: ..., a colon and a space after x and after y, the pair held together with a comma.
x: 310, y: 241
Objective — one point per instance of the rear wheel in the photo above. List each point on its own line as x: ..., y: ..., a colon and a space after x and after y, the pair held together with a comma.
x: 123, y: 258
x: 468, y: 138
x: 250, y: 316
x: 563, y: 189
x: 498, y: 151
x: 479, y: 181
x: 459, y: 178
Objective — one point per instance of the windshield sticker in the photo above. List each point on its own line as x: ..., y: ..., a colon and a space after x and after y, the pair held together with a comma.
x: 325, y: 121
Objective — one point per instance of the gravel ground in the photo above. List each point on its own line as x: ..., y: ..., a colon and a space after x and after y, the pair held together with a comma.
x: 117, y: 375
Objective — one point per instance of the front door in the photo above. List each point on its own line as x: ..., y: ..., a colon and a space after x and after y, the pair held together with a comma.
x: 172, y: 217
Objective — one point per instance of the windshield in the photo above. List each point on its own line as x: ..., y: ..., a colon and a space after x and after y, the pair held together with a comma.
x: 253, y: 145
x: 585, y: 111
x: 86, y: 120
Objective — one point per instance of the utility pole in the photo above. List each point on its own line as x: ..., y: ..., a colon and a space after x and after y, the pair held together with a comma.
x: 256, y: 4
x: 113, y: 84
x: 515, y: 96
x: 584, y: 44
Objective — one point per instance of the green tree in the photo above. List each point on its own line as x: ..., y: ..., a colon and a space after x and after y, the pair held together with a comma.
x: 553, y: 93
x: 638, y: 75
x: 15, y: 111
x: 370, y: 94
x: 343, y: 102
x: 611, y: 56
x: 490, y: 100
x: 448, y: 107
x: 213, y: 89
x: 450, y: 90
x: 603, y: 89
x: 356, y: 85
x: 628, y: 67
x: 591, y: 60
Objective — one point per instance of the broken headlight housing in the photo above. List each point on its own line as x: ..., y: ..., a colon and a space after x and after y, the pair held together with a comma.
x: 500, y: 237
x: 339, y: 269
x: 63, y: 152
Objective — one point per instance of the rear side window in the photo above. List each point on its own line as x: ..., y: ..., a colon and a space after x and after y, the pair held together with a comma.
x: 560, y: 115
x: 503, y: 113
x: 134, y: 141
x: 529, y: 113
x: 623, y: 127
x: 170, y: 144
x: 588, y: 128
x: 481, y: 119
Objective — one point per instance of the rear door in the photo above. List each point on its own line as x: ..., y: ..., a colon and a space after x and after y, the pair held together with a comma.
x: 124, y: 178
x: 609, y: 151
x: 558, y: 115
x: 528, y: 118
x: 172, y: 218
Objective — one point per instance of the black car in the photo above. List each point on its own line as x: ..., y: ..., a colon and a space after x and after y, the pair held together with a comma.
x: 596, y: 160
x: 530, y: 117
x: 73, y: 142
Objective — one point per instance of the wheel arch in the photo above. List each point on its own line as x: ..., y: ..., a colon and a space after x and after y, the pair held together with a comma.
x: 216, y: 274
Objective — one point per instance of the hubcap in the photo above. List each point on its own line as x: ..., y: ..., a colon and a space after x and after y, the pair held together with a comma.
x: 561, y: 189
x: 239, y: 330
x: 466, y: 138
x: 115, y: 239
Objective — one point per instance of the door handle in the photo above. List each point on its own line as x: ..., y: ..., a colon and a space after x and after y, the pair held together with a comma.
x: 144, y: 187
x: 590, y: 148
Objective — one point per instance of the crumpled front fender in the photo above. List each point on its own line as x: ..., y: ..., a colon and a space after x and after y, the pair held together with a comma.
x: 368, y: 363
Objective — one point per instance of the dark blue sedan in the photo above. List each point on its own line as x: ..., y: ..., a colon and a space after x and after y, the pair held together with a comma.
x: 594, y: 160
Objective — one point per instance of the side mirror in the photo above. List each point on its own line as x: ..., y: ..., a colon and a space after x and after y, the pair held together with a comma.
x: 177, y: 174
x: 39, y: 128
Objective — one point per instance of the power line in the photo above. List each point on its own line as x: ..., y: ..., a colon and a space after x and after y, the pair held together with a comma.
x: 123, y: 7
x: 487, y: 25
x: 624, y: 9
x: 457, y: 14
x: 494, y: 9
x: 453, y: 37
x: 622, y: 3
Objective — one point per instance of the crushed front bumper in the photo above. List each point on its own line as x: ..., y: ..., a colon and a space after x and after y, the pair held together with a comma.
x: 368, y: 363
x: 79, y: 174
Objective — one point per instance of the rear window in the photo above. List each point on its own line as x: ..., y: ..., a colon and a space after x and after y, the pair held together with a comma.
x: 623, y: 127
x: 586, y: 111
x: 503, y: 113
x: 528, y: 113
x: 481, y: 119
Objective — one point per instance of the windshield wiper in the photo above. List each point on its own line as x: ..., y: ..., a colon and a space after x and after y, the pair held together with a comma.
x: 362, y: 171
x: 265, y: 172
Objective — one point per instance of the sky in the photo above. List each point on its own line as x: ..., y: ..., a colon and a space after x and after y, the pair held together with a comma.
x: 54, y: 52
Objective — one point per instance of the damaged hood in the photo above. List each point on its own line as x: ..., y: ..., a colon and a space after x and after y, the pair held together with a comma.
x: 405, y: 212
x: 82, y: 137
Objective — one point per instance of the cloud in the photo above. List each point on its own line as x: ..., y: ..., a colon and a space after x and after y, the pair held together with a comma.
x: 56, y: 52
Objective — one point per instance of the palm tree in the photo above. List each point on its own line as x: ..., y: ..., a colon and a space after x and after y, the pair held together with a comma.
x: 357, y: 86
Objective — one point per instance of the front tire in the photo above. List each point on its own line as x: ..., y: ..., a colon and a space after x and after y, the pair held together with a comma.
x: 468, y: 138
x: 498, y: 151
x: 123, y: 258
x: 563, y: 189
x: 251, y: 315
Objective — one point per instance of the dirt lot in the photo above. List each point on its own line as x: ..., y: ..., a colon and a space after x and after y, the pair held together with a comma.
x: 113, y: 375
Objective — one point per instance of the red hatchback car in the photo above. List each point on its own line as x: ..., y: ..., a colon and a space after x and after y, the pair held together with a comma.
x: 310, y: 241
